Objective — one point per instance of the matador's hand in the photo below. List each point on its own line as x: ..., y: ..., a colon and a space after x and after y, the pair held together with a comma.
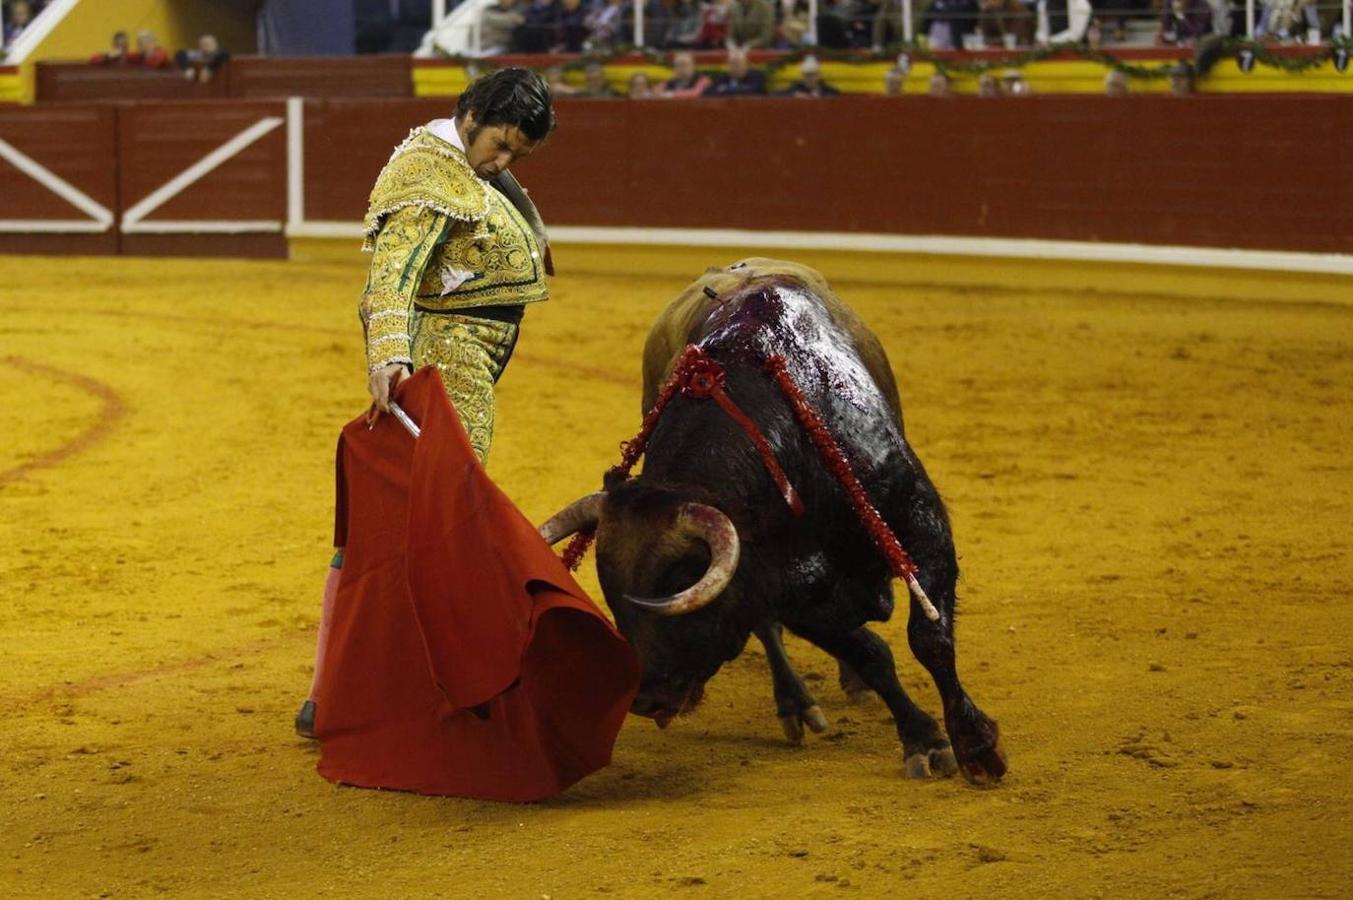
x: 382, y: 385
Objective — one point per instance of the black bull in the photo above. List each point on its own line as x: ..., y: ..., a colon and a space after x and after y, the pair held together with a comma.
x: 701, y: 550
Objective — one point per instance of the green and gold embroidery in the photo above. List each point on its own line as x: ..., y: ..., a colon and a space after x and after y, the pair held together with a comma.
x: 470, y: 354
x: 442, y: 239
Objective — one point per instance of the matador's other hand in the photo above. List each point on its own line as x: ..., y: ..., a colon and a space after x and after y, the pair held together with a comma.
x: 382, y: 383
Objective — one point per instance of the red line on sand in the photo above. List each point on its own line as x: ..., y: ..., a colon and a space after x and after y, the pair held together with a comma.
x: 113, y: 410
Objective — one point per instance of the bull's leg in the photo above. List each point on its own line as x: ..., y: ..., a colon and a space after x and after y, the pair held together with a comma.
x: 923, y: 745
x: 923, y: 527
x: 852, y: 685
x: 794, y: 705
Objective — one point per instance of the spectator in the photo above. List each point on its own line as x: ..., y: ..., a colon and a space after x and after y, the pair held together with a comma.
x: 893, y: 82
x: 149, y: 53
x: 1007, y: 23
x: 739, y: 80
x: 682, y: 28
x: 685, y: 81
x: 572, y: 28
x: 987, y: 86
x: 1288, y: 19
x: 595, y: 85
x: 751, y: 24
x: 887, y: 26
x: 1115, y: 83
x: 536, y: 33
x: 810, y: 83
x: 1222, y: 21
x: 940, y: 85
x: 18, y: 18
x: 794, y: 24
x: 554, y: 77
x: 833, y: 24
x: 606, y: 25
x: 201, y: 64
x: 117, y: 55
x: 496, y: 26
x: 1014, y: 85
x: 714, y: 24
x: 1183, y: 22
x: 947, y: 21
x: 640, y: 88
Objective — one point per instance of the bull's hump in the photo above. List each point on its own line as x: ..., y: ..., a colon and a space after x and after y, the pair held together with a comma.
x: 781, y: 316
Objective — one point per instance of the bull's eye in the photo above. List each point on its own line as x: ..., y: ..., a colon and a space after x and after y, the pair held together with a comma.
x: 678, y: 576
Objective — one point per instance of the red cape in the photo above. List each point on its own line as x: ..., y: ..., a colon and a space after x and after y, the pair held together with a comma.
x: 449, y: 600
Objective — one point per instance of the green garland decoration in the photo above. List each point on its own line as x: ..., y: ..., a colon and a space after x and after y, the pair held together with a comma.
x: 1209, y: 51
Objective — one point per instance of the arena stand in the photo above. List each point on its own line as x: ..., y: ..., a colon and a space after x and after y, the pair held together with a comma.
x: 278, y: 150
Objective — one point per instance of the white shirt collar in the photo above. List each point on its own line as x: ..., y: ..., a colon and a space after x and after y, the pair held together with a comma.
x: 446, y: 130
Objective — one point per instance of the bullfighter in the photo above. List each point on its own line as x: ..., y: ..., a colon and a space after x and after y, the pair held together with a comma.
x: 458, y: 251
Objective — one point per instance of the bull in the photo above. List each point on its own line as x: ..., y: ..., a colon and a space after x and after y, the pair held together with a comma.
x: 704, y: 548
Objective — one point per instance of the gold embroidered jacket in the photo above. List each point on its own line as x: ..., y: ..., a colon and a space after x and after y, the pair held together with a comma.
x: 441, y: 239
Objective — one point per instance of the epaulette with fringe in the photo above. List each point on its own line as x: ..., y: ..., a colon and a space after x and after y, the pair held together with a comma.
x: 428, y: 172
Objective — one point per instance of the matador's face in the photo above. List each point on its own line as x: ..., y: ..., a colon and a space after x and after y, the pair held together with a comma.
x: 491, y: 149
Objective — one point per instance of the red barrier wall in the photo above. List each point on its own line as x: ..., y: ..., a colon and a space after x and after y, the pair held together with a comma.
x: 1262, y: 172
x: 1228, y: 171
x: 157, y: 142
x: 79, y: 146
x: 243, y: 77
x: 78, y: 82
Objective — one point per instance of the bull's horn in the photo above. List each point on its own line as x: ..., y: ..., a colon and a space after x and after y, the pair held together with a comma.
x: 585, y: 512
x: 716, y: 530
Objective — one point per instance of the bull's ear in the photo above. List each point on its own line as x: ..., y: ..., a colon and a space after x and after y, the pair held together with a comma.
x: 612, y: 480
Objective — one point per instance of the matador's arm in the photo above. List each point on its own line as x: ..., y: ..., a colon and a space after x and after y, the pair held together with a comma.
x: 400, y: 254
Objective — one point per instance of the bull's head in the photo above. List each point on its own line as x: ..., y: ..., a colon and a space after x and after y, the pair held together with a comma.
x: 663, y: 561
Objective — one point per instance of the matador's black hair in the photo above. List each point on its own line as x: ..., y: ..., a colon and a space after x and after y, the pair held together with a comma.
x: 517, y: 97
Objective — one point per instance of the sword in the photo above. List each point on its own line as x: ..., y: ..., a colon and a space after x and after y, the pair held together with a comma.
x: 409, y: 424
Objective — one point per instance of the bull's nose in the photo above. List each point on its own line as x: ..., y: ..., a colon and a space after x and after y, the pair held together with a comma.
x: 648, y: 707
x: 645, y: 706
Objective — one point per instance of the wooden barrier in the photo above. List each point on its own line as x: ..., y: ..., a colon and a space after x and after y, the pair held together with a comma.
x: 58, y: 180
x: 225, y: 176
x: 78, y: 82
x: 243, y: 77
x: 1219, y: 171
x: 209, y: 178
x: 258, y: 77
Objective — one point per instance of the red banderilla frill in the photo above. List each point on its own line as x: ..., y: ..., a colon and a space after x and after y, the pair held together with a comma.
x: 698, y: 376
x: 837, y: 464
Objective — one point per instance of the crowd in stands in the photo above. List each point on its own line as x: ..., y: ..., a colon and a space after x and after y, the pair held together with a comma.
x: 740, y: 79
x: 599, y: 26
x: 16, y: 16
x: 198, y: 63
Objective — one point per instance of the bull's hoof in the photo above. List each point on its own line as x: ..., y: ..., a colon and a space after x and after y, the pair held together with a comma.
x: 794, y: 722
x: 985, y: 767
x: 937, y: 761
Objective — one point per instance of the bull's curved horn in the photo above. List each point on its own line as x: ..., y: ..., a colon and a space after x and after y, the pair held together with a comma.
x: 714, y: 528
x: 585, y: 512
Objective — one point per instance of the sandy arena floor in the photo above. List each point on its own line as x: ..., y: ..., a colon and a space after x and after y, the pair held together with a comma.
x: 1151, y: 501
